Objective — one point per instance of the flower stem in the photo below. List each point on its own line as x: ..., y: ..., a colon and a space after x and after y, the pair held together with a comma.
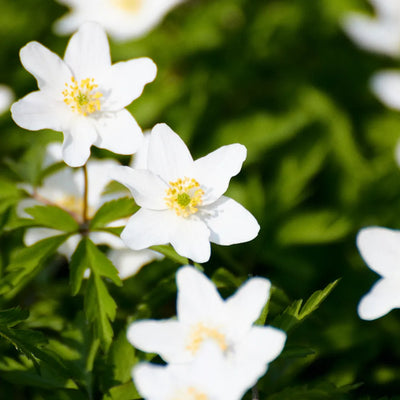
x: 254, y: 393
x: 85, y: 195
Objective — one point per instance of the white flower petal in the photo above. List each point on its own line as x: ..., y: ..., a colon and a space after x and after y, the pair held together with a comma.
x: 6, y: 98
x: 37, y: 111
x: 168, y: 155
x: 129, y: 262
x: 69, y: 246
x: 88, y: 52
x: 253, y: 354
x: 374, y: 35
x: 387, y: 8
x: 152, y: 381
x: 386, y: 86
x: 246, y: 304
x: 191, y: 238
x: 34, y: 235
x: 77, y: 142
x: 139, y: 160
x: 147, y: 228
x: 98, y: 179
x: 215, y: 170
x: 162, y: 337
x: 109, y: 239
x: 229, y: 222
x: 197, y: 296
x: 380, y: 249
x: 147, y: 189
x: 127, y: 81
x: 118, y: 132
x: 47, y: 67
x: 383, y: 297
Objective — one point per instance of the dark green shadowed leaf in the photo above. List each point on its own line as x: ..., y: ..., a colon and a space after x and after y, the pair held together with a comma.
x: 27, y: 263
x: 53, y: 217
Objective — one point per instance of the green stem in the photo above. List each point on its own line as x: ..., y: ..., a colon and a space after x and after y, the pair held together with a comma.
x: 85, y: 195
x: 89, y: 366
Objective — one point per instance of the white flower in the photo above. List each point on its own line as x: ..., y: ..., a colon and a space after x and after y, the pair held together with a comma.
x: 380, y: 249
x: 83, y: 95
x: 6, y: 98
x: 123, y: 19
x: 203, y: 315
x: 182, y: 200
x: 386, y: 86
x: 380, y: 34
x: 65, y: 189
x: 208, y: 377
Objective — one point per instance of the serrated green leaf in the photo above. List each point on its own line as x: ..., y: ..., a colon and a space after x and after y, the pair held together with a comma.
x: 88, y: 256
x: 27, y: 263
x: 53, y: 217
x: 112, y: 211
x: 296, y: 313
x: 100, y: 308
x: 316, y: 299
x: 13, y: 316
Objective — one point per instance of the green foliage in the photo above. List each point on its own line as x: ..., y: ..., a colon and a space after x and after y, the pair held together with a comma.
x: 112, y: 211
x: 296, y: 312
x: 53, y: 217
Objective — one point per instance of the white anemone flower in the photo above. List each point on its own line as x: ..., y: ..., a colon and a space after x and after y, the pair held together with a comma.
x: 208, y: 377
x: 65, y: 189
x: 182, y: 200
x: 380, y: 34
x: 202, y: 315
x: 6, y: 98
x: 380, y: 249
x: 123, y: 19
x: 84, y: 96
x: 386, y: 86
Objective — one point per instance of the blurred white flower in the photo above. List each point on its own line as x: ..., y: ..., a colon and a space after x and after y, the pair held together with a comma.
x: 202, y: 315
x: 386, y: 86
x: 380, y: 34
x: 65, y: 189
x: 380, y: 249
x: 182, y: 200
x: 6, y: 98
x: 122, y: 19
x: 84, y: 96
x: 208, y: 377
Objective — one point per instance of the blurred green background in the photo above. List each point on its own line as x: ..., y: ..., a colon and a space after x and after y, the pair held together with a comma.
x: 280, y: 77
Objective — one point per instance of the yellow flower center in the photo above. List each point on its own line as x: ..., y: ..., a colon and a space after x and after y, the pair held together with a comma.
x: 199, y: 333
x: 190, y: 393
x: 130, y: 6
x: 82, y: 97
x: 183, y: 196
x: 74, y: 205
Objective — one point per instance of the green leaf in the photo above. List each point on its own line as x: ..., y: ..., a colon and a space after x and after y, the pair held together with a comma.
x: 123, y: 392
x: 100, y: 309
x: 53, y: 217
x: 13, y: 316
x: 27, y: 263
x: 112, y: 211
x: 87, y: 255
x: 295, y: 313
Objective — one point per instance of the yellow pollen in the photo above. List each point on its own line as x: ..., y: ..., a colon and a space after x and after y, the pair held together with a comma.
x: 131, y: 6
x: 82, y: 97
x: 184, y: 196
x: 201, y: 332
x: 74, y: 205
x: 190, y: 393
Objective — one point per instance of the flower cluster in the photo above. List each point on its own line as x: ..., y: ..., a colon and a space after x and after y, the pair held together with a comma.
x: 213, y: 349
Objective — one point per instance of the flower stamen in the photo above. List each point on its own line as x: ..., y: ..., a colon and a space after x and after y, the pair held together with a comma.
x: 201, y: 332
x: 190, y: 393
x: 83, y: 97
x: 130, y: 6
x: 184, y: 196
